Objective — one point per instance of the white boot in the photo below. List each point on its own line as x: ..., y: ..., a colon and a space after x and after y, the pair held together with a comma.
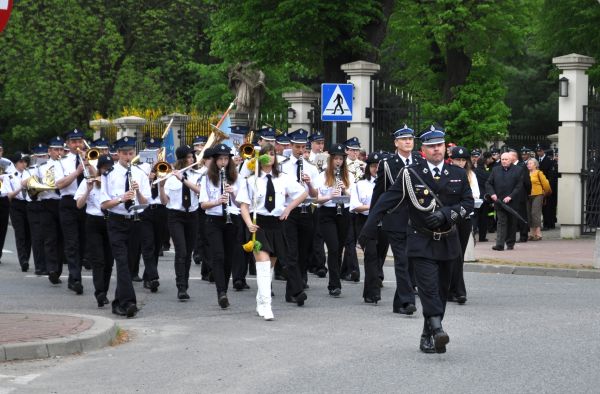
x: 263, y: 297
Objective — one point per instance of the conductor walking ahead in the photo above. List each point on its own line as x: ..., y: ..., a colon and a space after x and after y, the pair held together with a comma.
x: 437, y: 195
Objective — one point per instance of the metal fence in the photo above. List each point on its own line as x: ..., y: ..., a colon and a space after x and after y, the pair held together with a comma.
x: 590, y: 173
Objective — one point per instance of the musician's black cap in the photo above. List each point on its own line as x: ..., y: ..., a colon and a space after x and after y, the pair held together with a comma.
x: 104, y: 160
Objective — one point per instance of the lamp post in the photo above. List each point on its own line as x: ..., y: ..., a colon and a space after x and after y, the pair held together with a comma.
x: 291, y: 113
x: 563, y: 87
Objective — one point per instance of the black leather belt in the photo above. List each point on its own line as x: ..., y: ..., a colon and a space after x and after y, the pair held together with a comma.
x: 436, y: 235
x: 67, y: 196
x: 119, y: 216
x: 155, y: 206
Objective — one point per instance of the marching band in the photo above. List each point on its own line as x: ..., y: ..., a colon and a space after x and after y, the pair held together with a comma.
x: 232, y: 210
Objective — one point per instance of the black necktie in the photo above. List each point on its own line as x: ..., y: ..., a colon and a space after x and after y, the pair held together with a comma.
x: 270, y: 200
x: 408, y: 162
x: 128, y: 203
x: 154, y: 191
x: 436, y: 176
x: 298, y: 171
x: 80, y: 176
x: 186, y: 201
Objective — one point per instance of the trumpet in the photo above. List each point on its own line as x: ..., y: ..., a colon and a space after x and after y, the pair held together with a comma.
x: 225, y: 205
x: 246, y: 150
x: 92, y: 154
x: 86, y: 171
x: 338, y: 179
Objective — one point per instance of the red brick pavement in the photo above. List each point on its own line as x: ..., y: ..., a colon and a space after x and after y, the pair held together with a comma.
x: 19, y: 327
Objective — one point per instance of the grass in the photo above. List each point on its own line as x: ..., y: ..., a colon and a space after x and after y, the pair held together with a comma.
x: 121, y: 337
x: 528, y: 264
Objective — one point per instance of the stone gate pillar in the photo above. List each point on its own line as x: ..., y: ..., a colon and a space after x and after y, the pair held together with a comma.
x: 360, y: 73
x: 129, y: 126
x: 302, y: 103
x: 570, y: 141
x: 99, y: 126
x: 178, y: 126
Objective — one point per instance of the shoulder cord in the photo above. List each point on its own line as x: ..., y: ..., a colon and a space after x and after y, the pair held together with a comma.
x: 407, y: 186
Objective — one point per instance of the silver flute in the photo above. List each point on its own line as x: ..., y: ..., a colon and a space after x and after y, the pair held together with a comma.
x: 225, y: 205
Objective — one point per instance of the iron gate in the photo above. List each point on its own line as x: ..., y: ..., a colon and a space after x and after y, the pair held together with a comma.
x: 590, y: 173
x: 316, y: 124
x: 390, y: 109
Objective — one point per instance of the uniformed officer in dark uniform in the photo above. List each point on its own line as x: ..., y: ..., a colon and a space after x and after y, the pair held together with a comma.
x: 394, y: 226
x: 437, y: 196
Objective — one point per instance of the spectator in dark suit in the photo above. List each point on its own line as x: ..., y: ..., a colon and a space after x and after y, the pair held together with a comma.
x: 522, y: 228
x: 505, y: 184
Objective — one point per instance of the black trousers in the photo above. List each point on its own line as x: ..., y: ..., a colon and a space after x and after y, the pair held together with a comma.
x: 225, y: 242
x: 317, y: 259
x: 457, y: 281
x: 482, y: 220
x: 20, y: 223
x: 99, y: 252
x: 34, y: 216
x: 350, y: 259
x: 404, y: 287
x: 383, y: 244
x: 507, y: 227
x: 53, y: 241
x: 201, y: 247
x: 334, y: 229
x: 433, y: 280
x: 142, y: 244
x: 120, y: 231
x: 299, y: 231
x: 183, y: 227
x: 156, y: 215
x: 4, y: 212
x: 72, y: 221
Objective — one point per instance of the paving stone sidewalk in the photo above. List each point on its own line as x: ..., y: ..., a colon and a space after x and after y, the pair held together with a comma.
x: 25, y: 336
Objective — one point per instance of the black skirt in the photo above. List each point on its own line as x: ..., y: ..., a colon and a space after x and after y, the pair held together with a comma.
x: 271, y: 236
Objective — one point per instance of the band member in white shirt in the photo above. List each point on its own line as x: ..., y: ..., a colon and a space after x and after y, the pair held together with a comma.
x: 224, y: 231
x: 99, y: 252
x: 334, y: 217
x: 180, y: 194
x: 11, y: 188
x: 125, y: 187
x: 299, y: 228
x: 265, y: 195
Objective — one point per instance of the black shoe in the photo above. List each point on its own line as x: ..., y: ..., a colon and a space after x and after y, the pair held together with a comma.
x: 347, y: 278
x: 372, y: 299
x: 452, y: 298
x: 77, y: 287
x: 129, y: 311
x: 298, y: 300
x: 223, y: 301
x: 498, y: 248
x: 305, y: 286
x: 312, y: 270
x: 211, y: 277
x: 380, y: 283
x: 406, y: 309
x: 182, y: 294
x: 54, y: 278
x: 166, y: 247
x: 41, y: 273
x: 335, y: 292
x: 354, y: 276
x: 161, y: 253
x: 238, y: 285
x: 152, y: 285
x: 483, y: 240
x: 204, y: 277
x: 101, y: 299
x: 279, y: 277
x: 197, y: 260
x: 136, y: 278
x: 86, y: 265
x: 426, y: 345
x: 461, y: 299
x: 25, y: 267
x: 321, y: 272
x: 511, y: 247
x: 440, y: 338
x: 246, y: 287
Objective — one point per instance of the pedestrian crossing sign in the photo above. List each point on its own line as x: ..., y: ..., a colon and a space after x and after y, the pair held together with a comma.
x: 336, y: 102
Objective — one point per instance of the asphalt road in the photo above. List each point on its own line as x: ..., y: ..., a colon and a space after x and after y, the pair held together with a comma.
x: 521, y: 334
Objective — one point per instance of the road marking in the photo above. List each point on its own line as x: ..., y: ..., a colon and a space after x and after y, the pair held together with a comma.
x: 7, y: 251
x: 62, y: 276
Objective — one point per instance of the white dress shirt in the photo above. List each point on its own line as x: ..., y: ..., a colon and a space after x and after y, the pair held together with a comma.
x: 173, y: 188
x: 93, y: 199
x: 361, y: 194
x: 48, y: 167
x: 113, y: 186
x: 325, y: 190
x: 11, y: 182
x: 290, y: 168
x: 210, y: 192
x: 284, y: 186
x: 65, y: 168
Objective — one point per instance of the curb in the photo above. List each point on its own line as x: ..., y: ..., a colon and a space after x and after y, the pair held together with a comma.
x: 536, y: 271
x: 101, y: 334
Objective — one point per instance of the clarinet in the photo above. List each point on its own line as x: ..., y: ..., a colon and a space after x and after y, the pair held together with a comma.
x: 225, y: 205
x: 337, y: 181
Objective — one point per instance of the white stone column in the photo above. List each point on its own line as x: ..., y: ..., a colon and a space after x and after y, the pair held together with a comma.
x: 99, y: 125
x: 178, y: 126
x: 302, y: 103
x: 129, y: 126
x: 360, y: 73
x: 570, y: 141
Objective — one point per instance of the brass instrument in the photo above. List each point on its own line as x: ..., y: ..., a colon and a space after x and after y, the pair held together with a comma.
x: 92, y: 154
x: 162, y: 167
x: 225, y: 205
x: 338, y: 179
x: 86, y: 171
x: 47, y: 183
x: 246, y: 150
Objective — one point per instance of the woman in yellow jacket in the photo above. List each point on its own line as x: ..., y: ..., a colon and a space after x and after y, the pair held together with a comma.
x: 540, y: 187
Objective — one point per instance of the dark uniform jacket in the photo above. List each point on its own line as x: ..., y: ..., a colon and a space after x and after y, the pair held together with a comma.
x: 455, y: 194
x: 398, y: 219
x: 505, y: 182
